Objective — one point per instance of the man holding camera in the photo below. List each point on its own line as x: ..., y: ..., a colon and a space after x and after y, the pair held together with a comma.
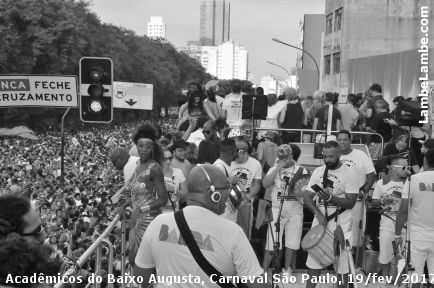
x: 335, y: 186
x: 279, y: 178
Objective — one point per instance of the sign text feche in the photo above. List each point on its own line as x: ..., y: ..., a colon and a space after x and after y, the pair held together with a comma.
x: 30, y: 90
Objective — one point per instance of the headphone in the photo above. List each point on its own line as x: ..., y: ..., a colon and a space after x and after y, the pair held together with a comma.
x: 215, y: 196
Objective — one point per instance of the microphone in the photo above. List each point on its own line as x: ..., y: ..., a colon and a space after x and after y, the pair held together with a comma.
x: 382, y: 211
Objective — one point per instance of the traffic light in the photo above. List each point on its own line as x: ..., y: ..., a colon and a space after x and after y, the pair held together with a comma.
x: 96, y: 89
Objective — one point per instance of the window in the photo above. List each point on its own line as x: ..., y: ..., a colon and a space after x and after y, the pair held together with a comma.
x: 329, y: 23
x: 336, y: 63
x: 338, y: 19
x: 327, y: 64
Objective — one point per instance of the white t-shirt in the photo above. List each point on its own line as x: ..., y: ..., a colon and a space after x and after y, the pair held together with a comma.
x: 421, y: 214
x: 391, y: 190
x: 344, y: 181
x: 130, y: 167
x: 225, y: 168
x: 172, y: 186
x: 285, y: 176
x: 247, y: 172
x: 233, y: 106
x: 222, y: 242
x: 360, y: 162
x: 196, y: 137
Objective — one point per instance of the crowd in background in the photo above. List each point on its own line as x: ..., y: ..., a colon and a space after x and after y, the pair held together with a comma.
x: 74, y: 213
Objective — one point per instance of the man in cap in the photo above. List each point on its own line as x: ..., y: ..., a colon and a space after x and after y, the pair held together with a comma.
x: 230, y: 253
x: 249, y: 173
x: 267, y: 151
x: 280, y: 178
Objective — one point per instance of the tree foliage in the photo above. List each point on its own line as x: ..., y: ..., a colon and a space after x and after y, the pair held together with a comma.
x: 50, y: 36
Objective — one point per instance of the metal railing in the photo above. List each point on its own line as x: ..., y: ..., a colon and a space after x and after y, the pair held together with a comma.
x: 311, y: 131
x: 96, y: 248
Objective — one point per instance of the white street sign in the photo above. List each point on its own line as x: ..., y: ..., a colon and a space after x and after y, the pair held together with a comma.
x: 132, y: 95
x: 40, y: 90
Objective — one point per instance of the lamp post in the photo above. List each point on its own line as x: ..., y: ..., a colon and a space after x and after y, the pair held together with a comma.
x: 287, y: 72
x: 298, y: 48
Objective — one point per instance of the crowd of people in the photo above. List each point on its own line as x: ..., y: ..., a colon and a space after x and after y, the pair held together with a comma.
x: 205, y: 162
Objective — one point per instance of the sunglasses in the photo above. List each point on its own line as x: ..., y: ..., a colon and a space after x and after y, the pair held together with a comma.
x: 168, y: 158
x: 402, y: 167
x: 35, y: 233
x: 206, y: 132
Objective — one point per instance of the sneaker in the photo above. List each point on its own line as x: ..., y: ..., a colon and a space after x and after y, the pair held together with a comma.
x: 286, y: 273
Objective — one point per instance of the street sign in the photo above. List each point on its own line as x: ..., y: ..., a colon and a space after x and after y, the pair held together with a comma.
x: 38, y: 90
x: 133, y: 95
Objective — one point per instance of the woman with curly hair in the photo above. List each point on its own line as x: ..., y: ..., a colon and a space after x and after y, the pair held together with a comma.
x: 194, y: 109
x: 145, y: 190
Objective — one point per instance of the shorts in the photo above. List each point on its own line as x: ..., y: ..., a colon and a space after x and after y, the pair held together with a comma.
x: 386, y: 248
x: 291, y: 225
x: 342, y: 266
x: 421, y: 252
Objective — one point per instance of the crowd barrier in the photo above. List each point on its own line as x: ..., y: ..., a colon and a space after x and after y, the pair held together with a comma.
x: 96, y: 248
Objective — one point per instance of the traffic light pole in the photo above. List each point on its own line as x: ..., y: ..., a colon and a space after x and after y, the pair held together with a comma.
x: 62, y: 149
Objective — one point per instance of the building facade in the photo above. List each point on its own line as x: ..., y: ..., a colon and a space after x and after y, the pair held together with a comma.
x: 375, y: 41
x: 157, y: 28
x: 310, y: 34
x: 214, y: 22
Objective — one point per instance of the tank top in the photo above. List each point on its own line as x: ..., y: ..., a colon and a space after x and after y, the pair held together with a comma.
x: 294, y: 116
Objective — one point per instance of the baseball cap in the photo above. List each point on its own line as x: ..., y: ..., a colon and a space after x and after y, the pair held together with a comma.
x: 181, y: 143
x: 284, y: 151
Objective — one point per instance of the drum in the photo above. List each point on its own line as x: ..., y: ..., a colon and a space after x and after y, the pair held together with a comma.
x: 318, y: 242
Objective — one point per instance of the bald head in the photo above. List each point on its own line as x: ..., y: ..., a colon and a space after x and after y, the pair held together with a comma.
x: 290, y: 93
x: 119, y: 157
x: 198, y: 182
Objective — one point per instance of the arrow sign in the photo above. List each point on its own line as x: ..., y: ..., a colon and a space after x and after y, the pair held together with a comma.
x: 132, y: 95
x: 130, y: 102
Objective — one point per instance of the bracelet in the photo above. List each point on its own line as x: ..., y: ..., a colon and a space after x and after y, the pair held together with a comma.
x: 145, y: 208
x: 330, y: 198
x: 396, y: 236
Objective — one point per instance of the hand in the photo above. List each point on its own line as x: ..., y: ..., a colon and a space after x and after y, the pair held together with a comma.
x: 233, y: 180
x: 386, y: 201
x: 322, y: 220
x: 398, y: 241
x: 325, y: 194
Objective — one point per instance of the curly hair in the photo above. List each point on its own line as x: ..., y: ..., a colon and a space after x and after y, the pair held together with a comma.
x: 25, y: 257
x: 190, y: 105
x: 12, y: 209
x: 149, y: 132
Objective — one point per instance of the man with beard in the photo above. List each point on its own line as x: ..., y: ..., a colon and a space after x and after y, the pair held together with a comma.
x: 340, y: 190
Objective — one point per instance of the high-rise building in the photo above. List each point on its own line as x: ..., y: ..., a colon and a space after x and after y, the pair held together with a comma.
x: 375, y: 41
x: 214, y: 22
x: 232, y: 61
x: 228, y: 60
x: 156, y: 28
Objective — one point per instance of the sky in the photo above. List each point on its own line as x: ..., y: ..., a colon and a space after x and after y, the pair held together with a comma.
x: 253, y: 24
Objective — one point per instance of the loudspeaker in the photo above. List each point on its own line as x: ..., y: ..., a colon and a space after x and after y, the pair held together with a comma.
x: 260, y: 110
x: 408, y: 113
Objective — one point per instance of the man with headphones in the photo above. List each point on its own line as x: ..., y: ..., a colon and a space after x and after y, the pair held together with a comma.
x: 163, y: 251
